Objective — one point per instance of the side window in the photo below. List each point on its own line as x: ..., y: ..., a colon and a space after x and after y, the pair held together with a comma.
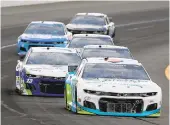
x: 80, y: 68
x: 27, y: 55
x: 65, y: 30
x: 107, y: 20
x: 81, y: 52
x: 28, y: 27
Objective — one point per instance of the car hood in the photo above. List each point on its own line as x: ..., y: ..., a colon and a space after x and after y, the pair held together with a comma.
x: 42, y: 37
x: 47, y: 70
x: 121, y: 85
x: 85, y: 27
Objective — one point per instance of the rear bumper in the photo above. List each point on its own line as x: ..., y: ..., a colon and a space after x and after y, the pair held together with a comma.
x: 22, y: 48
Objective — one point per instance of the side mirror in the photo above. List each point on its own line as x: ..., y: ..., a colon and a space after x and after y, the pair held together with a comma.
x: 69, y: 33
x: 72, y: 68
x: 18, y: 61
x: 78, y: 50
x: 74, y: 80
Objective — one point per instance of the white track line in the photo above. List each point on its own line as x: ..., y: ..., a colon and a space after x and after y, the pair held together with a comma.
x: 3, y: 77
x: 143, y: 22
x: 7, y: 46
x: 120, y: 25
x: 12, y: 110
x: 140, y: 28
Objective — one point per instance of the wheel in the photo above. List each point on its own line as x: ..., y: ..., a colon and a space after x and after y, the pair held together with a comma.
x: 17, y: 91
x: 76, y: 99
x: 65, y: 97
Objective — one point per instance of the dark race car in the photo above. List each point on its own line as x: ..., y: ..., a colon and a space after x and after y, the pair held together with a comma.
x: 92, y: 23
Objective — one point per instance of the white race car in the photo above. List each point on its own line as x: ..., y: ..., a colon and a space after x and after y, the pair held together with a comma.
x: 112, y: 86
x: 43, y: 71
x: 80, y: 40
x: 102, y: 51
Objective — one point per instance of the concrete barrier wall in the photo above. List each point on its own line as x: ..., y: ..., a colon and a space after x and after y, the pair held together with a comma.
x: 9, y: 3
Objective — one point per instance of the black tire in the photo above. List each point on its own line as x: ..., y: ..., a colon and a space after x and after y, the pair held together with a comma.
x: 65, y: 95
x: 17, y: 91
x: 76, y: 99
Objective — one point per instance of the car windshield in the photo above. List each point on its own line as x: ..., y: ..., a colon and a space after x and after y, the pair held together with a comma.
x: 114, y: 71
x: 45, y: 29
x: 53, y: 58
x: 88, y: 20
x: 106, y: 52
x: 80, y: 42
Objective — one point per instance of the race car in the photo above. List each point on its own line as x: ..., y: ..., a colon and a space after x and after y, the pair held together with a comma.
x: 43, y: 71
x: 43, y: 34
x: 90, y: 51
x: 112, y: 87
x: 92, y: 23
x: 80, y: 40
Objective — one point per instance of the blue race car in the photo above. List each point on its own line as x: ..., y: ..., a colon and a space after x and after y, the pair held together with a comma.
x: 43, y: 34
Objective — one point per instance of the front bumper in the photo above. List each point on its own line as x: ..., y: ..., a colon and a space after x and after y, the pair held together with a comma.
x: 148, y: 106
x: 41, y: 86
x: 22, y: 47
x: 88, y: 32
x: 88, y: 111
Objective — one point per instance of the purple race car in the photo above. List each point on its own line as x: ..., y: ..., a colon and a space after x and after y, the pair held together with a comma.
x: 43, y: 71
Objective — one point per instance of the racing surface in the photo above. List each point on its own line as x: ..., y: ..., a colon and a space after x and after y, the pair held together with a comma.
x: 141, y: 26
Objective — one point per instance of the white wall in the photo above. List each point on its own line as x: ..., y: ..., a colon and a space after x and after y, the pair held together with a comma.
x: 8, y: 3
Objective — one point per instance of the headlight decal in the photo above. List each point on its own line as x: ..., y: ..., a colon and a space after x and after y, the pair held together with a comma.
x: 120, y: 94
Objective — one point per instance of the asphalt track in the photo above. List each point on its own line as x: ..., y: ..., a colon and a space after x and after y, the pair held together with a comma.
x: 142, y: 26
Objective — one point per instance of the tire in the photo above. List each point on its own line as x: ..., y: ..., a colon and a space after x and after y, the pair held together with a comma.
x: 65, y: 95
x: 76, y: 99
x: 17, y: 91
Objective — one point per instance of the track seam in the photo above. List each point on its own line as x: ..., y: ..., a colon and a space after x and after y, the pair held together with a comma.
x: 140, y: 119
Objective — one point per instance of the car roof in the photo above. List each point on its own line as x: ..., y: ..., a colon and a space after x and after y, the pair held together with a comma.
x: 53, y: 49
x: 112, y: 60
x: 46, y: 22
x: 92, y: 35
x: 90, y: 14
x: 105, y: 46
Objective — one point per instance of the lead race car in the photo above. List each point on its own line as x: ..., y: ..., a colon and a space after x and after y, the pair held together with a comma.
x: 43, y: 34
x: 112, y: 86
x: 92, y: 23
x: 43, y: 71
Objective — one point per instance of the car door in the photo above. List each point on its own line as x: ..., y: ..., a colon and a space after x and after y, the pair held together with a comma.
x: 74, y: 81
